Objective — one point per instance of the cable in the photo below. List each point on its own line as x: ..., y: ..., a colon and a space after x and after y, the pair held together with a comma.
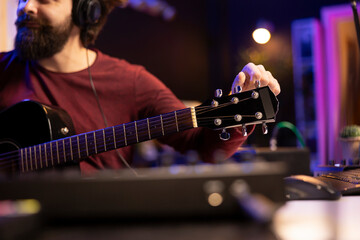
x: 290, y: 126
x: 356, y: 20
x: 102, y: 112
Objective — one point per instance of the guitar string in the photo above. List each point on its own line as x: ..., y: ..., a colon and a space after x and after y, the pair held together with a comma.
x: 101, y: 139
x: 99, y: 148
x: 167, y: 122
x: 64, y: 157
x: 109, y: 129
x: 200, y: 110
x: 12, y: 159
x: 82, y: 136
x: 139, y: 124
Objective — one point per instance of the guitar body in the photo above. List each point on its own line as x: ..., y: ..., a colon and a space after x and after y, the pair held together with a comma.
x: 28, y: 123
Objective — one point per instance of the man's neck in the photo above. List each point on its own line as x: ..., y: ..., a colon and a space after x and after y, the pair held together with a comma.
x: 72, y: 58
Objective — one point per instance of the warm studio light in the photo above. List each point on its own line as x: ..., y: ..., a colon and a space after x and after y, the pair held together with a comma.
x: 261, y: 35
x: 215, y: 199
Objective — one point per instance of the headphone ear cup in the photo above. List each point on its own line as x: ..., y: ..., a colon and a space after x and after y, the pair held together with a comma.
x: 86, y: 12
x: 93, y: 13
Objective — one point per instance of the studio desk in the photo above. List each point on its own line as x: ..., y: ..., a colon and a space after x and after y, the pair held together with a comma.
x: 230, y: 201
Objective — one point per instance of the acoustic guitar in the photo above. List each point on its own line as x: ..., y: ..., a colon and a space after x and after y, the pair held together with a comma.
x: 35, y: 136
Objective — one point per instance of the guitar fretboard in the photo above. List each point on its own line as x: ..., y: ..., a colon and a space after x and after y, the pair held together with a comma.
x: 80, y: 146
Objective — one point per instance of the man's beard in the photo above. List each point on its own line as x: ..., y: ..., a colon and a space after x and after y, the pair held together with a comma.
x: 41, y: 42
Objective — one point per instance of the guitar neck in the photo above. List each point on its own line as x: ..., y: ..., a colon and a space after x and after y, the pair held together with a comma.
x: 75, y: 148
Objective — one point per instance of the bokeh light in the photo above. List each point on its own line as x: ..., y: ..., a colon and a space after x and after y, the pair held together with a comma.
x: 261, y: 35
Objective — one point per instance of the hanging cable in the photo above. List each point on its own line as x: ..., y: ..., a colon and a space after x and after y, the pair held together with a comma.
x: 290, y: 126
x: 123, y: 160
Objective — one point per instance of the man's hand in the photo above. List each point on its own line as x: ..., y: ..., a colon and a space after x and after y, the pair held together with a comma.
x: 252, y: 76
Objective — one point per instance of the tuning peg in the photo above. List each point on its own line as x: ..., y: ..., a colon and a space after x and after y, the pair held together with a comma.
x: 265, y: 128
x: 217, y: 121
x: 255, y: 95
x: 258, y: 115
x: 214, y: 103
x: 224, y: 135
x: 244, y: 130
x: 237, y: 89
x: 235, y: 100
x: 218, y: 93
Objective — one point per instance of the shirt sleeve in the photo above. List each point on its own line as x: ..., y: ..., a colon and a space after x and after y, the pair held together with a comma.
x: 154, y: 98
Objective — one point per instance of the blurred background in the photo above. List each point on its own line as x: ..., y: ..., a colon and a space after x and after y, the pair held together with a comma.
x: 197, y: 46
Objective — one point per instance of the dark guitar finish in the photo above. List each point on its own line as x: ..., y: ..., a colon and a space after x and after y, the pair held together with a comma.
x: 33, y: 136
x: 28, y: 123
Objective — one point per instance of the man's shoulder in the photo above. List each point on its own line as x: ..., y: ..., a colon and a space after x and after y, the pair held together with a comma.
x: 111, y: 62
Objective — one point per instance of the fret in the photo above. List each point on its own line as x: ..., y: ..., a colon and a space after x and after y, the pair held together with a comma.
x: 78, y: 145
x: 66, y: 149
x: 71, y: 150
x: 74, y: 148
x: 148, y: 126
x: 46, y: 158
x: 22, y: 160
x: 176, y: 122
x: 104, y: 140
x: 97, y: 141
x: 57, y: 152
x: 142, y: 130
x: 113, y: 128
x: 162, y: 125
x: 168, y: 121
x: 26, y: 160
x: 91, y: 143
x: 86, y: 145
x: 51, y: 154
x: 109, y: 139
x: 136, y: 132
x: 31, y: 160
x: 119, y: 135
x: 130, y: 133
x: 82, y: 143
x: 63, y: 142
x: 125, y: 135
x: 95, y: 145
x: 40, y: 153
x: 155, y: 128
x: 35, y: 157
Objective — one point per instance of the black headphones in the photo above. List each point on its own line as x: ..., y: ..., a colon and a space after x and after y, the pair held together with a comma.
x: 86, y: 12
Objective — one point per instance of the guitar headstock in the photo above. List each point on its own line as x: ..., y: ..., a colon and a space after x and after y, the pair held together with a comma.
x: 258, y: 106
